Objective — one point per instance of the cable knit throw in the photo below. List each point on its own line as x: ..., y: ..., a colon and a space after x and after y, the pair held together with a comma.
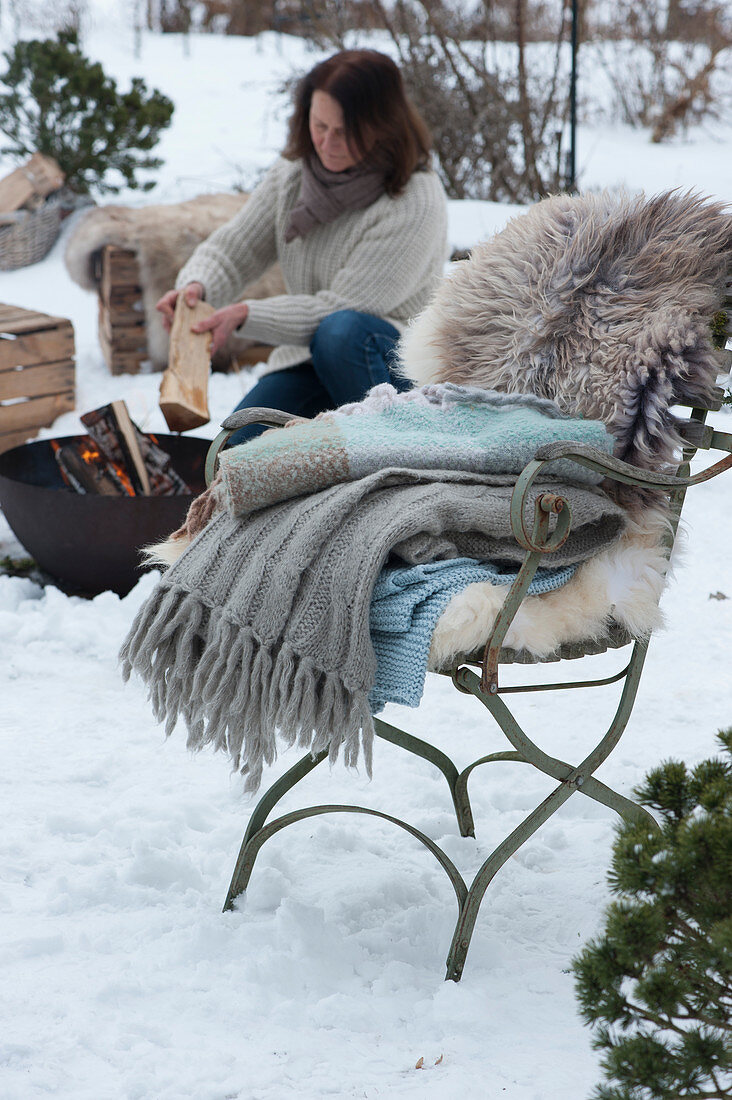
x: 262, y: 625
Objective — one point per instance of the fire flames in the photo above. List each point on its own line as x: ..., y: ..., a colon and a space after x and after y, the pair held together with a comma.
x: 100, y: 466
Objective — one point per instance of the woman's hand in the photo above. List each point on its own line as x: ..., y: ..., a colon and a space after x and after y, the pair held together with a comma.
x: 192, y: 293
x: 222, y: 323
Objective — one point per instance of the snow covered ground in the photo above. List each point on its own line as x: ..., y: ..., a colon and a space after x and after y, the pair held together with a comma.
x: 122, y: 979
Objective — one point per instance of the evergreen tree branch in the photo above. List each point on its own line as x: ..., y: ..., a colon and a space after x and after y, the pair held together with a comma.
x: 670, y: 939
x: 663, y: 1022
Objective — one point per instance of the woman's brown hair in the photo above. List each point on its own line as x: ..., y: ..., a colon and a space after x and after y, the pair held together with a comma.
x: 380, y: 122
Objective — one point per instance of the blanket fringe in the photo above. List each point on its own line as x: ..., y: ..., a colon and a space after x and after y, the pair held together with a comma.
x: 236, y: 693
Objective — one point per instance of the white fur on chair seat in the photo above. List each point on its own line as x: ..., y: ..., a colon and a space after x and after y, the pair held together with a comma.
x: 614, y: 593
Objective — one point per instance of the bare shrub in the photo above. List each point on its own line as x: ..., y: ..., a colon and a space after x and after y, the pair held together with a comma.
x: 49, y: 16
x: 300, y: 17
x: 661, y: 60
x: 496, y: 120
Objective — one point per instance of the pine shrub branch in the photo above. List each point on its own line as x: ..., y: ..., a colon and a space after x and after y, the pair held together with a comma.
x: 656, y: 986
x: 54, y: 100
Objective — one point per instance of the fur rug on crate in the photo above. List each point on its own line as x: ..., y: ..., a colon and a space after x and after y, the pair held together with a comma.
x: 601, y: 303
x: 163, y: 237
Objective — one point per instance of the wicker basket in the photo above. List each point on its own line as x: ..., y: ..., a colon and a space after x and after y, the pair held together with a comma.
x: 28, y: 239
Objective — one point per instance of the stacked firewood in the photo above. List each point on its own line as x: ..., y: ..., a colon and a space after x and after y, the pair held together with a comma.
x: 27, y: 187
x: 122, y: 332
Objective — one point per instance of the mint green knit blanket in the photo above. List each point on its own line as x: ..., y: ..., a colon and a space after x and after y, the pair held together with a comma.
x: 437, y: 427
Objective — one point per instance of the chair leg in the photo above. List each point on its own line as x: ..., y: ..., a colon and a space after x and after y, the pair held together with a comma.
x: 469, y: 911
x: 413, y: 744
x: 279, y: 789
x: 250, y: 849
x: 579, y: 777
x: 593, y: 788
x: 572, y: 779
x: 259, y: 815
x: 257, y: 829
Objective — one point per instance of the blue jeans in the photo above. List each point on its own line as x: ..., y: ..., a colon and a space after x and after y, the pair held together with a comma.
x: 349, y: 353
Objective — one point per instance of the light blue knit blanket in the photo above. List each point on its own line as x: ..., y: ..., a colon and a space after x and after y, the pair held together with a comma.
x: 405, y: 606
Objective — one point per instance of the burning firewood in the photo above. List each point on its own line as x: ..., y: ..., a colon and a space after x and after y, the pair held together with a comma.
x: 117, y: 437
x: 184, y: 386
x: 125, y: 446
x: 164, y: 481
x: 117, y: 458
x: 85, y: 469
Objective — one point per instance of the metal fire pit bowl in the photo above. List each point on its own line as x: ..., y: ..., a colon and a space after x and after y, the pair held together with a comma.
x: 91, y: 543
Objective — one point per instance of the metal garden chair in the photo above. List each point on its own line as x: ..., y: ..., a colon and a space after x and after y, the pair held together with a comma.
x: 550, y: 526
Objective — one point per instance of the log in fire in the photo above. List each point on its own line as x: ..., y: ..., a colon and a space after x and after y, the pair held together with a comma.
x: 116, y: 458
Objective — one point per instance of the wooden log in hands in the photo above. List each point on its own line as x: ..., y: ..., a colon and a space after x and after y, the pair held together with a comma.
x: 184, y: 386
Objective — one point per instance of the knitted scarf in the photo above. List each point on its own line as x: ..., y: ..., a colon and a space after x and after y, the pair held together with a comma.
x: 325, y: 195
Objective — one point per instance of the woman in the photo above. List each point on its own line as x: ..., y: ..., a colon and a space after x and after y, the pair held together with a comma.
x: 357, y: 220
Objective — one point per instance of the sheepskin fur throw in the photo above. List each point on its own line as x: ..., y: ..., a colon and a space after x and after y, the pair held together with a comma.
x: 163, y: 237
x: 601, y: 302
x: 619, y: 587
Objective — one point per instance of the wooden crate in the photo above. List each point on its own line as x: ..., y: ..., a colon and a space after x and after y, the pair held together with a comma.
x: 29, y: 184
x: 36, y: 372
x: 122, y: 333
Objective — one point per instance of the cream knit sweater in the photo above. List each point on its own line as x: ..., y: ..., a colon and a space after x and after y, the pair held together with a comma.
x: 384, y: 260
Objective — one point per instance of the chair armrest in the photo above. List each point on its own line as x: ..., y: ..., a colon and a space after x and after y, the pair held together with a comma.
x: 540, y: 541
x: 618, y: 470
x: 601, y: 462
x: 276, y: 418
x: 613, y: 468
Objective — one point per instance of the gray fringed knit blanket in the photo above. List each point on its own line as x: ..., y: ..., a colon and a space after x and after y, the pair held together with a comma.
x: 262, y: 625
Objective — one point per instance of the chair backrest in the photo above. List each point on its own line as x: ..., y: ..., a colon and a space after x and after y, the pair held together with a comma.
x: 695, y: 431
x: 697, y: 434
